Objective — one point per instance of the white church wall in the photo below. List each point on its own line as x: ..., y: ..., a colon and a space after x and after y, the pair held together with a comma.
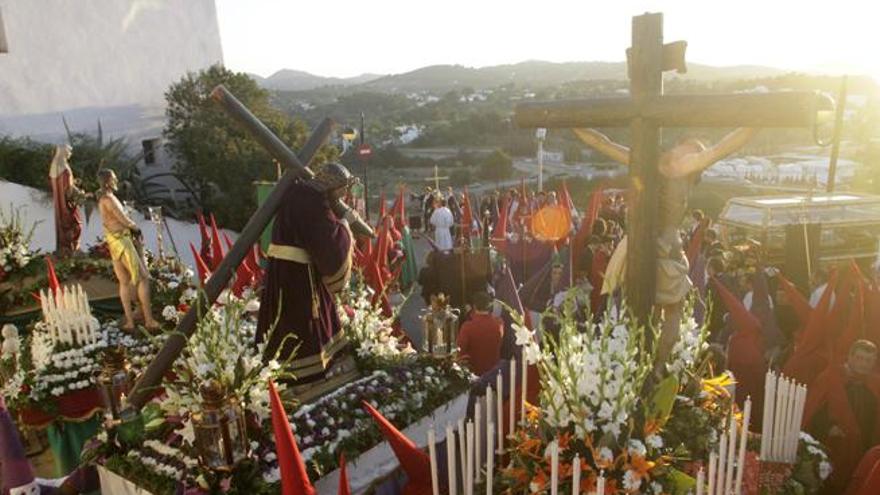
x: 111, y: 60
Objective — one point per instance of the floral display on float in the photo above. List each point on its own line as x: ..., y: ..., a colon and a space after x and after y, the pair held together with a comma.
x: 402, y: 384
x: 640, y: 429
x: 15, y: 240
x: 172, y: 286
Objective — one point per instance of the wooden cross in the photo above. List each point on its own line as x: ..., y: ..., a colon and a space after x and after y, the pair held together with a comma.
x: 645, y: 111
x: 436, y: 178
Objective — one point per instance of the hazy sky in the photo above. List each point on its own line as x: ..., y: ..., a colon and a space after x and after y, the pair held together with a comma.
x: 346, y: 38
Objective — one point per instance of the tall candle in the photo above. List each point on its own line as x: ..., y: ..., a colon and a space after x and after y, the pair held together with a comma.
x: 766, y: 421
x: 451, y: 464
x: 554, y: 468
x: 511, y: 398
x: 477, y: 442
x: 777, y: 418
x: 731, y: 455
x: 744, y: 435
x: 490, y: 456
x: 722, y: 463
x: 799, y: 415
x: 600, y: 483
x: 499, y: 410
x: 700, y: 482
x: 469, y: 477
x: 490, y: 398
x: 525, y: 377
x: 432, y: 453
x: 576, y: 475
x: 462, y: 451
x: 713, y: 462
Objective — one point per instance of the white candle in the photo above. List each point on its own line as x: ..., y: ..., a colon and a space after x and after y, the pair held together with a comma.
x: 477, y: 442
x: 554, y: 468
x: 777, y: 418
x: 432, y: 452
x: 700, y: 481
x: 744, y: 435
x: 789, y: 421
x: 451, y: 464
x: 767, y: 416
x: 799, y: 414
x: 600, y: 483
x: 499, y: 410
x: 462, y: 451
x: 731, y: 455
x: 525, y: 377
x: 511, y: 398
x: 576, y: 475
x: 469, y: 477
x: 713, y: 461
x: 490, y: 398
x: 722, y: 464
x: 490, y: 456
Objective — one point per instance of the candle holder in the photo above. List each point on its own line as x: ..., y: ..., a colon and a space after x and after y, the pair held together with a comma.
x: 220, y: 431
x: 157, y: 219
x: 114, y: 380
x: 439, y: 326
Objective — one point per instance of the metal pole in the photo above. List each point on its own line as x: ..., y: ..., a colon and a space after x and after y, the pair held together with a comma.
x: 540, y: 164
x: 835, y: 145
x: 366, y: 171
x: 249, y: 235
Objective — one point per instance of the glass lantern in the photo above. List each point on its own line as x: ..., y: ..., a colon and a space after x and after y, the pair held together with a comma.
x: 114, y: 380
x: 220, y: 431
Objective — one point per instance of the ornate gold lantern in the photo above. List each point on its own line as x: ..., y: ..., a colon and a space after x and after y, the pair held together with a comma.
x: 220, y: 431
x: 439, y: 326
x: 114, y: 380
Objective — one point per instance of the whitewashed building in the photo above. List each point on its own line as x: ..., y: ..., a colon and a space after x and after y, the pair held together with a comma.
x: 107, y: 60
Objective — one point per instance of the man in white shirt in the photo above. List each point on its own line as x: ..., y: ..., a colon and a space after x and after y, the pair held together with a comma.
x: 442, y: 221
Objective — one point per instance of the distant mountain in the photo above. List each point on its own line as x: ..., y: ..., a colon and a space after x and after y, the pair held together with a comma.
x: 539, y: 73
x: 533, y: 73
x: 297, y: 80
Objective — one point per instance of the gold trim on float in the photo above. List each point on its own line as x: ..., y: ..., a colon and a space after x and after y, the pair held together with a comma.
x: 310, y: 365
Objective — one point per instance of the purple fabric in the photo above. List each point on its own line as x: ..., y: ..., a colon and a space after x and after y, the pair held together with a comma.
x: 16, y: 470
x: 536, y: 292
x: 762, y: 310
x: 526, y: 257
x: 304, y: 220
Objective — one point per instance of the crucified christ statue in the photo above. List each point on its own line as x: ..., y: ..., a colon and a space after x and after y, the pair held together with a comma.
x: 680, y: 169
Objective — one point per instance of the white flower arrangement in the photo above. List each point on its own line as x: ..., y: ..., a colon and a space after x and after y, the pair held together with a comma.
x: 371, y: 333
x: 15, y: 251
x: 222, y: 349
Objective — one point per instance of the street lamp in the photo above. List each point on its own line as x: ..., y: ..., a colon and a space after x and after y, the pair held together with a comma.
x: 541, y: 134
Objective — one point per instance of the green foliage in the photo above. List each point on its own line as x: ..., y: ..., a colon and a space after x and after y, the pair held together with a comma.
x: 213, y: 152
x: 25, y: 161
x: 92, y: 153
x: 497, y: 166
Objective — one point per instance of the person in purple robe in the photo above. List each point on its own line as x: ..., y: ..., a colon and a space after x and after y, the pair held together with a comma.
x: 309, y: 261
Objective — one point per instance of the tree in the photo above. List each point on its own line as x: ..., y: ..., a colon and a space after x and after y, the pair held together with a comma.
x: 214, y: 154
x: 460, y: 176
x: 497, y: 166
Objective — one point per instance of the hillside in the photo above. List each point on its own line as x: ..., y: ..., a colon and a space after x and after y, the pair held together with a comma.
x: 534, y: 73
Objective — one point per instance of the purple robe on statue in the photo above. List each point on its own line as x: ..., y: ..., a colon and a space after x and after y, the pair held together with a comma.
x: 309, y: 260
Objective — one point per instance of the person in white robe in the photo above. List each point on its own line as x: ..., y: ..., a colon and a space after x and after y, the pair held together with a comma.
x: 442, y: 221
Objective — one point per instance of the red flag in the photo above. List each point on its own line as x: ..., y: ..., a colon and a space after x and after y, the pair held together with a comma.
x: 205, y: 249
x: 217, y: 253
x: 695, y: 243
x: 244, y: 277
x: 344, y: 487
x: 382, y: 209
x: 499, y: 232
x: 201, y: 266
x: 294, y: 478
x: 467, y: 215
x: 854, y: 329
x: 807, y: 360
x: 565, y: 199
x: 798, y: 302
x: 400, y: 209
x: 253, y: 265
x: 383, y: 244
x: 586, y: 228
x: 413, y: 461
x: 53, y: 279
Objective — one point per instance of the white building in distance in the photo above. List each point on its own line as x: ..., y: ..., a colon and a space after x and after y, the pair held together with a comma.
x: 107, y: 60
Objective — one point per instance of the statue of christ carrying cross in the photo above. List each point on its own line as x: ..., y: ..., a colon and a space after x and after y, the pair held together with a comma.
x: 680, y: 169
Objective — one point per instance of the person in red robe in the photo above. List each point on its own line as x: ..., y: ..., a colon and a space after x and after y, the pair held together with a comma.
x: 842, y: 411
x: 68, y: 223
x: 309, y: 261
x: 479, y: 339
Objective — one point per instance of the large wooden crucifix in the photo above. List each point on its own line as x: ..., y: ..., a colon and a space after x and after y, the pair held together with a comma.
x: 645, y: 111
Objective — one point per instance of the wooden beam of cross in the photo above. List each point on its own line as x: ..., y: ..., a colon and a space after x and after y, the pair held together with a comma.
x: 436, y: 178
x: 645, y: 111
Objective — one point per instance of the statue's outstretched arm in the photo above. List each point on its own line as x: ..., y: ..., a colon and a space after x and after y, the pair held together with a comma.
x: 601, y: 143
x: 697, y: 162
